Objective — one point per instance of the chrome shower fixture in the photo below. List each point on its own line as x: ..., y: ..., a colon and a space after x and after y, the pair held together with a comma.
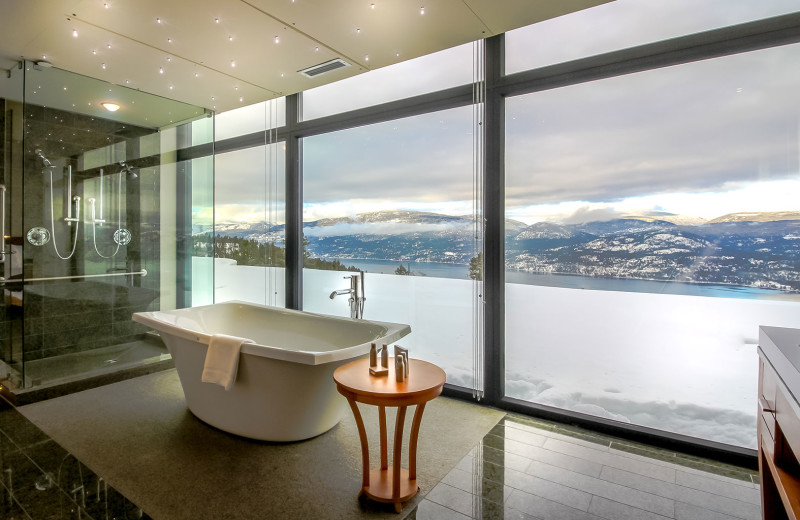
x: 127, y: 168
x: 45, y: 160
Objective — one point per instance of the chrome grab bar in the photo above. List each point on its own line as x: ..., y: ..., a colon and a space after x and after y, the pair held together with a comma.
x: 143, y: 272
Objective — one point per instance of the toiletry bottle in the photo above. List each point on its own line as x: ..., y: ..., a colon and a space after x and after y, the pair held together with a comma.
x: 385, y: 356
x: 373, y: 355
x: 399, y: 369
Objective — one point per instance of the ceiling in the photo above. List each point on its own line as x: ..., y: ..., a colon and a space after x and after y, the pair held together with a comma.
x: 224, y: 54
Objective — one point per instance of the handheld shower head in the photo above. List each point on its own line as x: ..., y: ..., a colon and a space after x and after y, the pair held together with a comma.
x: 45, y: 160
x: 128, y: 169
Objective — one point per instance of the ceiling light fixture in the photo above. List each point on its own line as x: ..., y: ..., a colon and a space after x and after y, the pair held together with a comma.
x: 44, y: 56
x: 422, y: 10
x: 230, y: 38
x: 233, y: 63
x: 169, y: 40
x: 277, y: 40
x: 372, y: 6
x: 158, y: 20
x: 105, y: 5
x: 358, y: 31
x: 170, y: 87
x: 196, y: 75
x: 216, y: 20
x: 109, y: 45
x: 241, y: 99
x: 94, y: 51
x: 169, y: 58
x: 104, y: 66
x: 161, y: 70
x: 366, y: 58
x: 108, y: 105
x: 74, y: 33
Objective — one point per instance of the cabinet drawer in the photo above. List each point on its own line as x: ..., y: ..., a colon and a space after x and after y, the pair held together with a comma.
x: 768, y: 386
x: 787, y: 421
x: 767, y: 425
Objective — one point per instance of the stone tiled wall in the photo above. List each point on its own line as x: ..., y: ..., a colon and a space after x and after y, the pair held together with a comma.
x: 67, y: 316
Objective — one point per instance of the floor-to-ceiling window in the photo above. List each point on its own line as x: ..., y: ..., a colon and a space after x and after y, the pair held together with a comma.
x: 651, y: 229
x: 396, y: 202
x: 644, y: 241
x: 249, y: 210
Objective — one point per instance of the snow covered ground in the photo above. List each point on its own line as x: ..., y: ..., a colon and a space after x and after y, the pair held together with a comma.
x: 685, y: 364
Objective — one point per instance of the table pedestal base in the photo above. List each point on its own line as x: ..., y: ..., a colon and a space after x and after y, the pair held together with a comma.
x: 380, y: 486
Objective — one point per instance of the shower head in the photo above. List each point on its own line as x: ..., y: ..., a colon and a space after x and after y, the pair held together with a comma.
x: 45, y: 160
x: 127, y: 168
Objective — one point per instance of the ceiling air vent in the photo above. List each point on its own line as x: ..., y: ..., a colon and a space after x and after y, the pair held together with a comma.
x: 322, y: 68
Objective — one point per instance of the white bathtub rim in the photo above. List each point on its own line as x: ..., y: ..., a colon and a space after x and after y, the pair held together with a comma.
x: 395, y: 331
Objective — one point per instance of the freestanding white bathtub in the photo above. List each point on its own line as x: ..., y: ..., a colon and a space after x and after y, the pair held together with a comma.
x: 284, y: 389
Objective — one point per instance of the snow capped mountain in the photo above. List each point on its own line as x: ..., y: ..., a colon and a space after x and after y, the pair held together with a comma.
x: 766, y: 216
x: 746, y: 249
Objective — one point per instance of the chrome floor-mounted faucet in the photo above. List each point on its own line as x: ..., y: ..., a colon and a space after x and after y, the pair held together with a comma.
x: 357, y: 295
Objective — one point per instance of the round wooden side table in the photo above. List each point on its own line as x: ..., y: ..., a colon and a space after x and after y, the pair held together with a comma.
x: 390, y: 484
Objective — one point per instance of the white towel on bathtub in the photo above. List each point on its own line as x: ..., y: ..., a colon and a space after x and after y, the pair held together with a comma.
x: 222, y: 360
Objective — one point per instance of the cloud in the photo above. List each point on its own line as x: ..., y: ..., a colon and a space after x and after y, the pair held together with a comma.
x: 587, y: 214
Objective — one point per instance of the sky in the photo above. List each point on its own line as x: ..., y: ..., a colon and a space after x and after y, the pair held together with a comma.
x: 702, y: 139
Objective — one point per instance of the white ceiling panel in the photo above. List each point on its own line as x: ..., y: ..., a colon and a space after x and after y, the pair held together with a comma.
x: 178, y: 50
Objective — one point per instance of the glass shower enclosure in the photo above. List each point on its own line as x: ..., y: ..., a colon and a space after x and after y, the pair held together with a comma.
x: 97, y: 206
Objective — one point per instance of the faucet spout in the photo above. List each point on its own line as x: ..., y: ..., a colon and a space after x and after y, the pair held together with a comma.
x: 340, y: 292
x: 356, y: 292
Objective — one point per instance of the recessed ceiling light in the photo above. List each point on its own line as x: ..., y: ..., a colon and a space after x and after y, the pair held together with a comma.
x: 105, y: 5
x: 161, y: 70
x: 277, y: 40
x: 65, y: 88
x: 169, y: 40
x: 158, y: 20
x: 358, y: 31
x: 241, y: 99
x: 127, y: 82
x: 44, y: 56
x: 75, y: 33
x: 196, y: 75
x: 104, y: 66
x: 316, y: 49
x: 170, y: 87
x: 109, y: 45
x: 94, y: 51
x: 422, y: 10
x: 372, y: 6
x: 216, y: 20
x: 236, y: 88
x: 233, y: 63
x: 230, y: 38
x: 169, y: 58
x: 366, y: 58
x: 108, y: 105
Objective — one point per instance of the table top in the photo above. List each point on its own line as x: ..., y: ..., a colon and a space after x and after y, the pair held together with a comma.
x: 425, y: 381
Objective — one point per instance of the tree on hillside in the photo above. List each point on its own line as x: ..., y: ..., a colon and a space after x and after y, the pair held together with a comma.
x: 476, y: 267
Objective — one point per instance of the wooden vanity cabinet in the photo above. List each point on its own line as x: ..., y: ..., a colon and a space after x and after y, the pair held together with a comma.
x: 779, y: 423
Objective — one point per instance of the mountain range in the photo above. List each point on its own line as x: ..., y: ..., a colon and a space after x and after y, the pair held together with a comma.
x: 745, y: 249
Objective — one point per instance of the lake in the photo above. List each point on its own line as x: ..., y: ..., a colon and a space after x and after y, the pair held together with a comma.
x: 461, y: 271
